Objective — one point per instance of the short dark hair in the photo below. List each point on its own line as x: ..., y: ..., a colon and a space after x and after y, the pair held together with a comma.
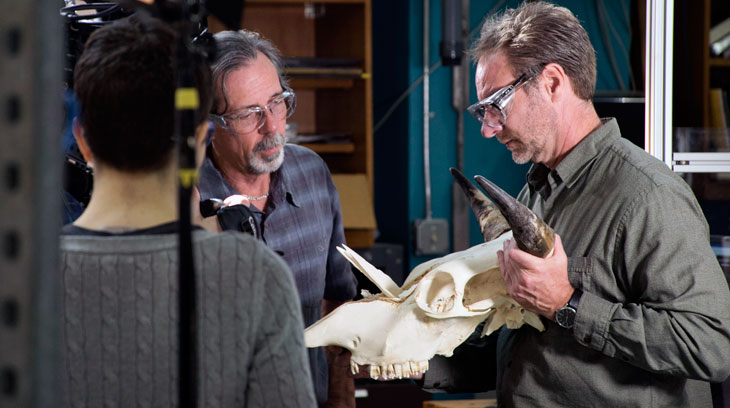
x: 236, y: 49
x: 538, y: 33
x: 125, y: 82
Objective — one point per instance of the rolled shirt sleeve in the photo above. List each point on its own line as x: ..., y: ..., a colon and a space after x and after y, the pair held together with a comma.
x: 675, y: 317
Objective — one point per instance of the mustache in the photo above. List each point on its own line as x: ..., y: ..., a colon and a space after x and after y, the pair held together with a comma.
x: 269, y: 142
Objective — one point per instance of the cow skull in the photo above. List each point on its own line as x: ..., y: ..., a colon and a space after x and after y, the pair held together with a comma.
x: 442, y: 301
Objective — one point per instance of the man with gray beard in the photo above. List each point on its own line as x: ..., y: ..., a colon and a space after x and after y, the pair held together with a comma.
x: 288, y: 189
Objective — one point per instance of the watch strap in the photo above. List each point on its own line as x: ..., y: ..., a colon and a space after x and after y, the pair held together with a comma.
x: 575, y: 299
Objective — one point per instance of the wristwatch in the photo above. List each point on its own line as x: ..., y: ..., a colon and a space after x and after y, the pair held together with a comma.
x: 565, y: 316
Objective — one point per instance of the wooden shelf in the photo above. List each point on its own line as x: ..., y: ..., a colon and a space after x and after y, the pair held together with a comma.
x: 696, y: 71
x: 330, y: 147
x: 321, y: 83
x: 720, y: 62
x: 328, y: 101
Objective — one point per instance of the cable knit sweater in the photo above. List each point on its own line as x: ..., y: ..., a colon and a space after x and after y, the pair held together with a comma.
x: 120, y: 323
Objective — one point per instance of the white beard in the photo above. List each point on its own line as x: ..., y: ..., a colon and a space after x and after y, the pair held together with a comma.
x: 269, y: 164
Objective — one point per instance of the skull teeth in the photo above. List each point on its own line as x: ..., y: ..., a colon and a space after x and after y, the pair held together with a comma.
x: 406, y: 369
x: 398, y: 370
x: 374, y: 371
x: 393, y: 371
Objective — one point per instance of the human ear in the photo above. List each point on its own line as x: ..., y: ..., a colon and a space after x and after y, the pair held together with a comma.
x: 78, y: 132
x: 555, y: 81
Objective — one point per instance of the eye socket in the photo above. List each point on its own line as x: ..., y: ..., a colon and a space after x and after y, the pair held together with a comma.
x: 481, y: 291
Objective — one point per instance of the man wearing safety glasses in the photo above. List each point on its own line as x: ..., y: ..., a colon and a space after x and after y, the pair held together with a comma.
x: 636, y: 307
x: 493, y: 110
x: 287, y: 188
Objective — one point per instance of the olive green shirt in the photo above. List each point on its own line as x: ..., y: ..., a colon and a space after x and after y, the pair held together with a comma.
x: 653, y: 325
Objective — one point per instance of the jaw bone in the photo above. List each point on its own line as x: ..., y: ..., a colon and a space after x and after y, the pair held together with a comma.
x: 439, y: 305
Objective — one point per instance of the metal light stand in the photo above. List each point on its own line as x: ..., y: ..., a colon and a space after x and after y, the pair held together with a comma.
x: 186, y: 103
x: 30, y: 199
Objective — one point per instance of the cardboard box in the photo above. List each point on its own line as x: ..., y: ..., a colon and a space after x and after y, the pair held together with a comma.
x: 358, y: 215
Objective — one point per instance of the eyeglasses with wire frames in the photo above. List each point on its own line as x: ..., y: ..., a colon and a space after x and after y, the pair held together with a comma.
x: 250, y: 119
x: 493, y: 110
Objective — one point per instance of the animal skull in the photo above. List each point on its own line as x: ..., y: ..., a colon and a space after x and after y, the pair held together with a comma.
x: 441, y: 302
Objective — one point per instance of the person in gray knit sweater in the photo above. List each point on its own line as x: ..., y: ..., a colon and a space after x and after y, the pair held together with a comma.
x: 119, y: 262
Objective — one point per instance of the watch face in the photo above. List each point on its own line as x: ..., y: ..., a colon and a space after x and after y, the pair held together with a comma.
x: 565, y: 317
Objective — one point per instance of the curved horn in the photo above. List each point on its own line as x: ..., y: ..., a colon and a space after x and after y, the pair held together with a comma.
x: 533, y: 235
x: 491, y: 222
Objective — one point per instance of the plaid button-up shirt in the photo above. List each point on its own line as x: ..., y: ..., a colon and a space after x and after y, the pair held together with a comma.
x: 302, y: 222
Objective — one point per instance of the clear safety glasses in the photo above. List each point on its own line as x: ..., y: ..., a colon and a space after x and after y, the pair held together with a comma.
x: 249, y: 119
x: 493, y: 110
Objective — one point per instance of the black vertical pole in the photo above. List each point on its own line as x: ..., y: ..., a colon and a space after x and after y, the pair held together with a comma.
x: 451, y: 46
x: 186, y: 104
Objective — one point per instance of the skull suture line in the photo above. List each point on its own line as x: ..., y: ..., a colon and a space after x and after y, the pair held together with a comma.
x: 442, y: 301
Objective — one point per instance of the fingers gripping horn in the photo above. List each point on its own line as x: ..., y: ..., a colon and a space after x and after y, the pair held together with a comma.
x: 532, y: 234
x: 491, y: 222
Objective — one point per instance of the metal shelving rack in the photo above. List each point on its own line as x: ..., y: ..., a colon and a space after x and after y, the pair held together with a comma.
x: 31, y: 50
x: 659, y: 129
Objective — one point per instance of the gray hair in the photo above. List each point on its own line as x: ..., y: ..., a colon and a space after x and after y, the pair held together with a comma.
x: 236, y: 49
x: 538, y: 33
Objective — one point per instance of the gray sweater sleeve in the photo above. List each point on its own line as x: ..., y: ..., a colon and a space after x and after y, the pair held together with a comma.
x: 279, y: 370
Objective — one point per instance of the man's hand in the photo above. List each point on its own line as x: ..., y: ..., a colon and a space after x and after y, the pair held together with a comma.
x: 341, y: 385
x: 540, y: 285
x: 211, y: 223
x: 236, y: 200
x: 341, y: 389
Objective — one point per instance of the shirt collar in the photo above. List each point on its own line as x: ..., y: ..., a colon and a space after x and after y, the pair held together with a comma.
x: 212, y: 184
x: 281, y: 185
x: 543, y: 180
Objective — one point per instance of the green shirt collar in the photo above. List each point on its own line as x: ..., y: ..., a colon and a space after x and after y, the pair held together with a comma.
x: 543, y: 180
